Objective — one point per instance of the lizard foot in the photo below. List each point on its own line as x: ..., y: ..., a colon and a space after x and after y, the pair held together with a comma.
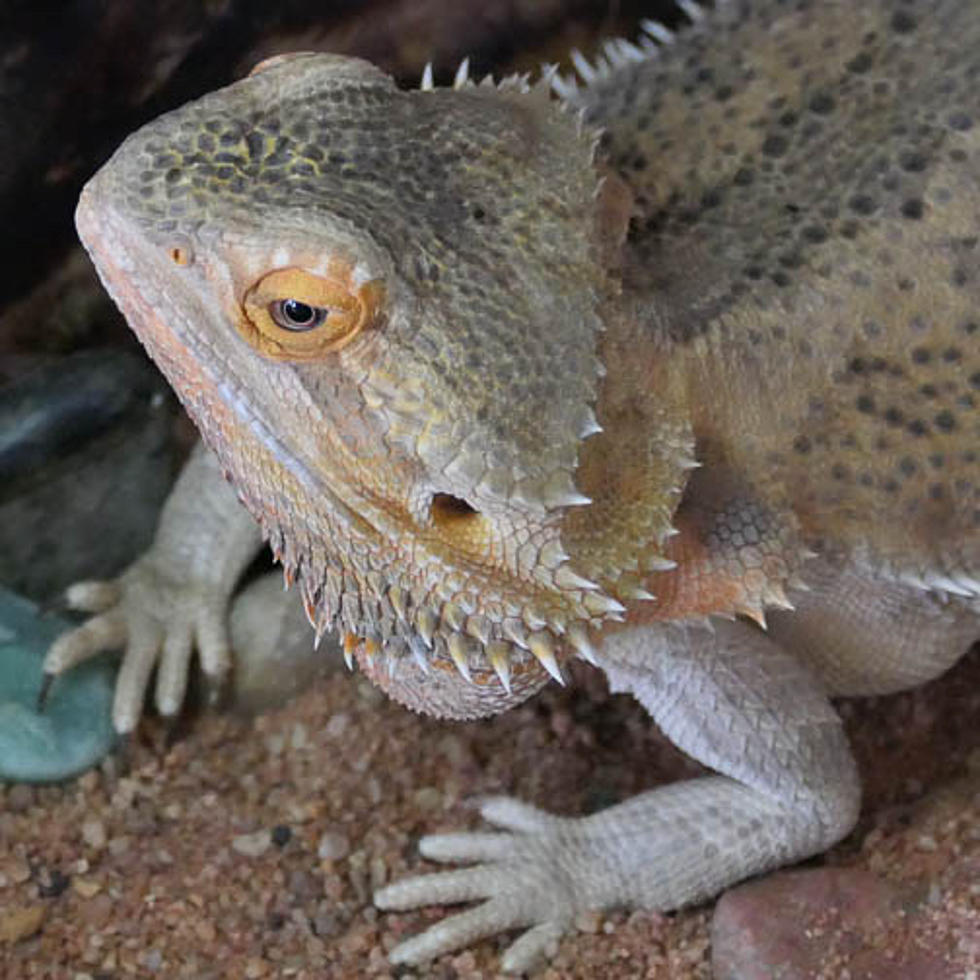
x: 157, y: 622
x: 523, y: 873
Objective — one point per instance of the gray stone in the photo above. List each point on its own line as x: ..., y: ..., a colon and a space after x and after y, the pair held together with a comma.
x: 86, y: 460
x: 75, y: 730
x: 274, y: 654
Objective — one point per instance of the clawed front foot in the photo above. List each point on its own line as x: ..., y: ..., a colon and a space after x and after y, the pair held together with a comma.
x: 526, y: 873
x: 171, y: 601
x: 157, y: 623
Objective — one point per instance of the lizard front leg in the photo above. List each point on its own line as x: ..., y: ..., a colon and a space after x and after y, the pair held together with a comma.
x: 734, y: 700
x: 170, y: 600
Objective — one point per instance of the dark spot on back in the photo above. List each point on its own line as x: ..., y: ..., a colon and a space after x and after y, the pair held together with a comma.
x: 860, y: 64
x: 862, y: 204
x: 775, y: 145
x: 913, y: 208
x: 913, y: 161
x: 903, y: 22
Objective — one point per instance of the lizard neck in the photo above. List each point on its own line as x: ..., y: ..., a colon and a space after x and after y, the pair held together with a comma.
x: 636, y: 469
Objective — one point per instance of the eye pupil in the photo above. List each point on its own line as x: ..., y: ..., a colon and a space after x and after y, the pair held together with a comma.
x: 293, y: 314
x: 299, y: 313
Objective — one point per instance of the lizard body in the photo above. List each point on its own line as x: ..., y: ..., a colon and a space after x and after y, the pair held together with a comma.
x: 506, y: 381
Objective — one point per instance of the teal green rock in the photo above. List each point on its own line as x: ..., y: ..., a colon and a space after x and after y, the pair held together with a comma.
x: 75, y: 729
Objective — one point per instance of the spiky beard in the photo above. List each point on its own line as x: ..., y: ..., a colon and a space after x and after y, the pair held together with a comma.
x: 435, y: 616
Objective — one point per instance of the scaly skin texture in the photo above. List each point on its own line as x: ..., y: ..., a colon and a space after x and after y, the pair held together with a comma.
x: 505, y: 381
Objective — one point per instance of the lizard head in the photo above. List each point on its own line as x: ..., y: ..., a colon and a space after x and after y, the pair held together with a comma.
x: 383, y: 310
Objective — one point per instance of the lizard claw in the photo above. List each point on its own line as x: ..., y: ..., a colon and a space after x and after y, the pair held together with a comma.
x: 519, y: 873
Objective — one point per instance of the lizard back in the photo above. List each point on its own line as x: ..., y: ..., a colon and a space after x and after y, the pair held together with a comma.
x: 805, y: 238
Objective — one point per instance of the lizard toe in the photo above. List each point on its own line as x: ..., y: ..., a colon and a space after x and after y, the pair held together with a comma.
x: 528, y: 950
x: 467, y: 848
x: 93, y: 596
x: 138, y: 662
x: 515, y: 815
x: 214, y: 647
x: 457, y: 931
x: 442, y: 888
x: 101, y: 633
x: 173, y: 669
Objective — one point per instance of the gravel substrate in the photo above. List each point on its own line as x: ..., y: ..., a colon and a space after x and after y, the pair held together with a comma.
x: 250, y: 847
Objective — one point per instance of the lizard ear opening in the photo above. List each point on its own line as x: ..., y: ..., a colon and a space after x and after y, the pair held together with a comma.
x: 295, y: 315
x: 446, y: 508
x: 459, y: 522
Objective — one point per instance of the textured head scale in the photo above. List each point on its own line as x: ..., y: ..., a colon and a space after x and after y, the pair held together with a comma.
x: 382, y: 309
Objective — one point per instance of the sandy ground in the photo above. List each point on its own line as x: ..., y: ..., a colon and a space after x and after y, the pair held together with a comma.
x: 249, y: 847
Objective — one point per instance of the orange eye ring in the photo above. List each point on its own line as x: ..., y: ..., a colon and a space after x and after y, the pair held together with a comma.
x: 292, y: 314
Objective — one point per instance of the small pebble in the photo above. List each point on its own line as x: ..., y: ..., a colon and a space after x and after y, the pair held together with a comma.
x: 303, y: 885
x: 333, y: 846
x: 20, y: 923
x: 93, y: 834
x: 337, y: 725
x: 589, y: 921
x: 16, y: 870
x: 379, y: 873
x: 252, y: 845
x: 86, y: 887
x: 325, y: 923
x: 256, y: 968
x: 152, y: 959
x: 88, y: 781
x: 20, y: 797
x: 300, y: 738
x: 275, y: 743
x: 428, y: 798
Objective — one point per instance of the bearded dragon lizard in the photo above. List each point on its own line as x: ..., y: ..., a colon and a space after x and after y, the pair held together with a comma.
x: 507, y: 379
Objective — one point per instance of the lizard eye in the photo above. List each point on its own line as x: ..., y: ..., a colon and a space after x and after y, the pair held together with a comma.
x: 293, y: 314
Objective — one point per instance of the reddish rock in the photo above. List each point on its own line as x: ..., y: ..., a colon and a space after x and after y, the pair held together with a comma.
x: 830, y: 922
